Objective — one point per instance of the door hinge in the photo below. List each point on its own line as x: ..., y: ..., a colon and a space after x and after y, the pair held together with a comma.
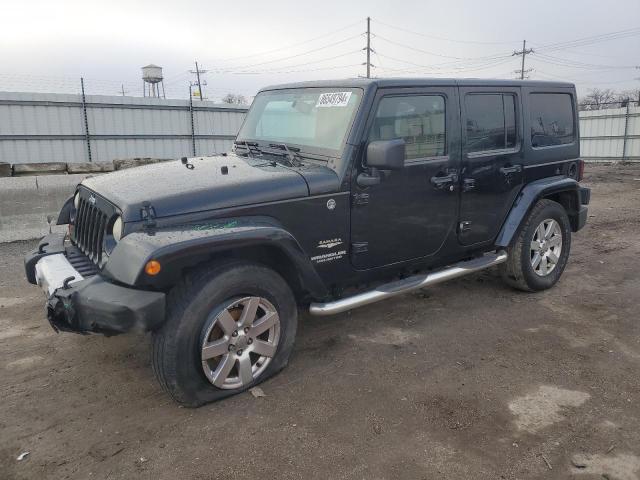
x: 464, y: 226
x: 359, y: 247
x: 360, y: 199
x: 468, y: 184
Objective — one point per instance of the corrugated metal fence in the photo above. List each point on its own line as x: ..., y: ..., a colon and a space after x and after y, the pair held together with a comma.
x: 611, y: 134
x: 49, y: 127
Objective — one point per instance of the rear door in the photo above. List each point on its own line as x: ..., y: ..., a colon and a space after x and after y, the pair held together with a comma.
x: 410, y: 213
x: 492, y: 160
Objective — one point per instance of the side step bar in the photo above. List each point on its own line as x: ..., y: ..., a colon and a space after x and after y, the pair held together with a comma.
x: 408, y: 284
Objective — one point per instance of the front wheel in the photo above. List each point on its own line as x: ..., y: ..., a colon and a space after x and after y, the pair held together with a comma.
x: 539, y: 253
x: 228, y: 328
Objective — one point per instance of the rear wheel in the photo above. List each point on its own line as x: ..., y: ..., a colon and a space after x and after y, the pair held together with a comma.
x: 539, y: 253
x: 228, y: 328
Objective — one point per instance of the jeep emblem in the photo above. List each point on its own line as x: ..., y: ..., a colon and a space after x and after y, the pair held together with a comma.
x: 92, y: 199
x: 331, y: 204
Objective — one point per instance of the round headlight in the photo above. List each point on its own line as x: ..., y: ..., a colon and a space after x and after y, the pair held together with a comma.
x: 117, y: 229
x: 76, y: 200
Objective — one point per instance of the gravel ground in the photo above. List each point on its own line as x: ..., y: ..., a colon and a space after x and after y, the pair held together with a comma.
x: 465, y: 380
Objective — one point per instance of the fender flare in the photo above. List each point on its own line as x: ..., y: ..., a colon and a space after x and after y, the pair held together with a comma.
x: 528, y: 197
x: 64, y: 217
x: 186, y: 246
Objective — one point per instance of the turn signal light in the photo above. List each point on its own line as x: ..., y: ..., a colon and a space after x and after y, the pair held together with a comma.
x: 152, y: 267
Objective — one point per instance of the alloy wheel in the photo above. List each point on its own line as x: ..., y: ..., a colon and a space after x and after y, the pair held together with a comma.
x: 546, y: 247
x: 239, y: 342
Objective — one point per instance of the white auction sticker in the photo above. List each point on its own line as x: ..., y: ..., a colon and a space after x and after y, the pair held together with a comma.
x: 334, y: 99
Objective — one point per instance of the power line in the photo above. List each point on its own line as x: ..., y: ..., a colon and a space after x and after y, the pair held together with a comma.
x: 410, y: 47
x: 585, y: 54
x: 299, y: 71
x: 254, y: 72
x: 431, y: 70
x: 456, y: 64
x: 339, y: 42
x: 586, y: 83
x: 297, y: 44
x: 173, y: 78
x: 452, y: 65
x: 577, y: 64
x: 443, y: 38
x: 604, y: 37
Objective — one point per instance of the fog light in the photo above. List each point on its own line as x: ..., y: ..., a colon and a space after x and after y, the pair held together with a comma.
x: 152, y: 267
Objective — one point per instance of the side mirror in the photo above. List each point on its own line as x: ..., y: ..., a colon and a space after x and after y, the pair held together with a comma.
x: 386, y: 154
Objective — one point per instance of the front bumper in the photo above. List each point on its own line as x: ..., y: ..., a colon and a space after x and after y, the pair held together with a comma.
x: 92, y: 303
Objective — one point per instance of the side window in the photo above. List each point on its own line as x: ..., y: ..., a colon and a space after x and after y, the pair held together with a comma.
x: 419, y: 120
x: 552, y: 121
x: 491, y: 121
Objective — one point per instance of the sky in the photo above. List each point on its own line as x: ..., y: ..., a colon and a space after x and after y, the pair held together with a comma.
x: 47, y: 45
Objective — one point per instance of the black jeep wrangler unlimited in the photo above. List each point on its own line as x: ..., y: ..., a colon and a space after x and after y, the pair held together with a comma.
x: 337, y: 194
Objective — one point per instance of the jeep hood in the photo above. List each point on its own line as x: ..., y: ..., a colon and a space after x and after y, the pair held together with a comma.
x: 173, y: 189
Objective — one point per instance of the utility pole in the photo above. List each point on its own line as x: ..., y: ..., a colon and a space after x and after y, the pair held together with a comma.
x: 197, y: 71
x: 524, y: 53
x: 87, y: 136
x: 193, y: 130
x: 123, y: 90
x: 368, y: 47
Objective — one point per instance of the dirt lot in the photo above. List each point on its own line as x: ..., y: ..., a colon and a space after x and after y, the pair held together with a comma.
x: 466, y: 380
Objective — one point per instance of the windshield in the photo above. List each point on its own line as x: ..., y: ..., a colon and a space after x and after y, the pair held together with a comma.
x: 318, y: 118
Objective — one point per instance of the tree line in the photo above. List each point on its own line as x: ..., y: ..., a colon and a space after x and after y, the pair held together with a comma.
x: 599, y: 99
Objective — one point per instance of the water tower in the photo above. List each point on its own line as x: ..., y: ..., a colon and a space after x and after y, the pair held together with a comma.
x: 151, y: 81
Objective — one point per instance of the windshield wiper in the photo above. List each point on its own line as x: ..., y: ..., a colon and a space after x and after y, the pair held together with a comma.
x: 248, y: 146
x: 292, y: 153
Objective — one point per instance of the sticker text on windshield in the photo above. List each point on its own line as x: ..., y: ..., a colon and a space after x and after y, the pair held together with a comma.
x: 333, y: 99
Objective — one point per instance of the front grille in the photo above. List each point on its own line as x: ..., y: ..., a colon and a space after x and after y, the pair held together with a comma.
x: 89, y: 228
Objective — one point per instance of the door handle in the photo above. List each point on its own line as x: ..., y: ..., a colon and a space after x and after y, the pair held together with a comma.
x: 506, y: 170
x: 442, y: 181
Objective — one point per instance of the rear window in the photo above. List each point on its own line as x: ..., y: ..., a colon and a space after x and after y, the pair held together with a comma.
x: 491, y: 122
x: 552, y: 119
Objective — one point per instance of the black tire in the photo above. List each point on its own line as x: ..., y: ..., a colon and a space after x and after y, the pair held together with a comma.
x: 177, y: 345
x: 518, y: 271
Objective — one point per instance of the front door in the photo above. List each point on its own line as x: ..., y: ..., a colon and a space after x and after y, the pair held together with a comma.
x: 410, y: 213
x: 492, y: 162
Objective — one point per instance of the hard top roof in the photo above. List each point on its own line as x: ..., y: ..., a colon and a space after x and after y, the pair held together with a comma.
x: 417, y: 82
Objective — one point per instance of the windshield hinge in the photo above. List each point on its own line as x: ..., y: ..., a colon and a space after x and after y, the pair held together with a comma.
x: 148, y: 214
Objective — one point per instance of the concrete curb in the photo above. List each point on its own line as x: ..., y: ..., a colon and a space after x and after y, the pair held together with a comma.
x: 25, y: 203
x: 61, y: 168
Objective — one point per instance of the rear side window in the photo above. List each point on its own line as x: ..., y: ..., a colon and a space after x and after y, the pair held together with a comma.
x: 552, y: 120
x: 491, y: 122
x: 418, y: 119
